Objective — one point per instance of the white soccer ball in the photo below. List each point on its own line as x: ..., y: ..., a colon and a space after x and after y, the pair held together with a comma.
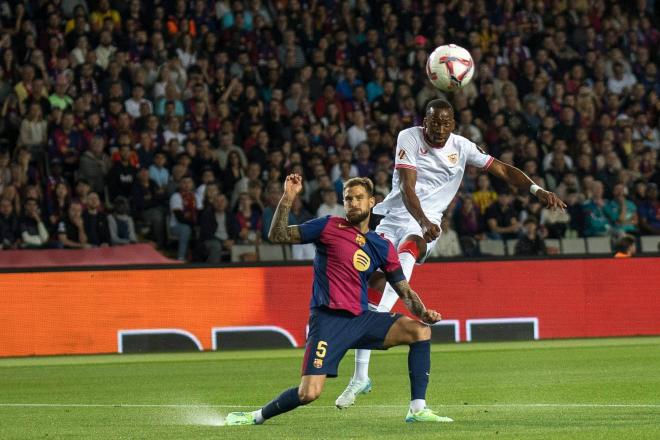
x: 450, y: 67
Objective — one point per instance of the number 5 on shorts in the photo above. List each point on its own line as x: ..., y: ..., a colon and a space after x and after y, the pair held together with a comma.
x: 321, y: 349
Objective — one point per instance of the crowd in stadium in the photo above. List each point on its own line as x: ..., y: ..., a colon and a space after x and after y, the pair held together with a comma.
x: 175, y: 122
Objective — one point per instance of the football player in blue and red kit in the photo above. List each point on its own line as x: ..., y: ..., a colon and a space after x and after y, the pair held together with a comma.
x: 347, y: 253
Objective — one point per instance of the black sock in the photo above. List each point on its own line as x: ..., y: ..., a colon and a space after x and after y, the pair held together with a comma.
x: 285, y: 402
x: 419, y: 368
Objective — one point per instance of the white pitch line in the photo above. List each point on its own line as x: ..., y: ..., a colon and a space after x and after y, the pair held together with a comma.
x: 480, y: 405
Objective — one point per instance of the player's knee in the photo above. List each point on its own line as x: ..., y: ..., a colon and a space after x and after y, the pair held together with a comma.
x: 308, y: 394
x: 422, y: 333
x: 413, y: 245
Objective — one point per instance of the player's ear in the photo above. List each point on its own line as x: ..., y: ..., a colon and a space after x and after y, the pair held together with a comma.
x: 372, y: 202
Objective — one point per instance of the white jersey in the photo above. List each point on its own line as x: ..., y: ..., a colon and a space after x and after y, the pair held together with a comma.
x: 439, y: 172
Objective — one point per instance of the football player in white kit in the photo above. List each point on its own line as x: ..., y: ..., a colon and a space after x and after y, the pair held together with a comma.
x: 429, y: 164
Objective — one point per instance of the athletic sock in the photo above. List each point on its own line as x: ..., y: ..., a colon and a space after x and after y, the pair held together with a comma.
x: 389, y: 295
x: 417, y: 405
x: 408, y: 262
x: 419, y: 369
x: 285, y: 402
x: 258, y: 417
x: 362, y: 365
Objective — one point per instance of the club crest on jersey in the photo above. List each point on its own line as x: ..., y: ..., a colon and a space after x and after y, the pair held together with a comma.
x: 360, y: 240
x: 453, y: 158
x: 318, y: 363
x: 361, y: 260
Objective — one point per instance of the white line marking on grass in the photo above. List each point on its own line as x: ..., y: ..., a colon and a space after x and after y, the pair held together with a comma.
x: 481, y: 405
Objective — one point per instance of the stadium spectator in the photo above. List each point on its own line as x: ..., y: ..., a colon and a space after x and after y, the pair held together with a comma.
x: 71, y: 231
x: 597, y: 223
x: 468, y: 220
x: 531, y: 243
x: 330, y: 206
x: 122, y: 174
x: 448, y: 244
x: 33, y: 232
x: 501, y: 218
x: 649, y: 211
x: 121, y: 224
x: 96, y: 222
x: 621, y: 211
x: 95, y: 165
x: 9, y: 226
x: 484, y: 196
x: 183, y: 215
x: 219, y: 229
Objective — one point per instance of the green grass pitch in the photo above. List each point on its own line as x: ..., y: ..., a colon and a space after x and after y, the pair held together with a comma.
x: 570, y: 389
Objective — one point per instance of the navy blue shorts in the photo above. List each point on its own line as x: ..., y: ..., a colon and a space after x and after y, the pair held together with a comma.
x: 333, y: 332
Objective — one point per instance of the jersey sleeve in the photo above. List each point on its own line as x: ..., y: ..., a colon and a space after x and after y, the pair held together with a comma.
x: 311, y: 231
x: 406, y: 151
x: 477, y: 157
x: 391, y: 267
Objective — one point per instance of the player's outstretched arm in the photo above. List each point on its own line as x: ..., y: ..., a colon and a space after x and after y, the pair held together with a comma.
x: 516, y: 177
x: 280, y: 232
x: 414, y: 303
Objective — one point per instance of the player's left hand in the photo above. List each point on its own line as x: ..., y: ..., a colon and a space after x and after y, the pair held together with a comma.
x: 430, y: 316
x: 550, y: 200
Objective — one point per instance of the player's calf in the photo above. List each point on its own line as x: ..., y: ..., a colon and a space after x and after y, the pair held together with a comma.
x: 310, y: 388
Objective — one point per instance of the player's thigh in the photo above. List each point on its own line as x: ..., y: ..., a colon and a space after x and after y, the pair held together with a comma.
x: 329, y: 338
x: 311, y: 387
x: 406, y: 331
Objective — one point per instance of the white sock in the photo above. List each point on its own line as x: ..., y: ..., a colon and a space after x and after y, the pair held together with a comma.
x: 258, y: 418
x: 386, y: 303
x: 389, y: 295
x: 362, y: 365
x: 417, y: 405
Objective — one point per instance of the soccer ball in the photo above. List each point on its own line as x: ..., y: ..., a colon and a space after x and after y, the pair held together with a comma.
x: 450, y: 67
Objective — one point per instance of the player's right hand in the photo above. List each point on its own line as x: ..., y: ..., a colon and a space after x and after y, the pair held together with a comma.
x: 431, y: 317
x: 292, y: 185
x: 430, y: 230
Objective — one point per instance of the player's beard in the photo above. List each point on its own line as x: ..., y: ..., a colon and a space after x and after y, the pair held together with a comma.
x: 357, y: 218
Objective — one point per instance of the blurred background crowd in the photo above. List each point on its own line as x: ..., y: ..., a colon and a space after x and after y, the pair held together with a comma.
x: 175, y: 122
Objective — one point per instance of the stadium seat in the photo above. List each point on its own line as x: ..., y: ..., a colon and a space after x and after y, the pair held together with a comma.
x: 650, y: 243
x: 492, y: 247
x: 271, y: 252
x: 287, y: 252
x: 599, y: 245
x: 238, y: 252
x: 552, y: 245
x: 511, y: 247
x: 572, y: 246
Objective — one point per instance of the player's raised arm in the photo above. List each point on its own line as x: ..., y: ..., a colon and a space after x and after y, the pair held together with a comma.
x: 280, y: 231
x: 414, y: 303
x: 407, y: 182
x: 516, y: 177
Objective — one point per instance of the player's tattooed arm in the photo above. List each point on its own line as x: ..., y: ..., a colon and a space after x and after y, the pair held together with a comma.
x: 280, y: 231
x: 414, y: 303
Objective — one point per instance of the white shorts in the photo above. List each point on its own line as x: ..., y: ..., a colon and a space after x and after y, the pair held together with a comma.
x: 396, y: 229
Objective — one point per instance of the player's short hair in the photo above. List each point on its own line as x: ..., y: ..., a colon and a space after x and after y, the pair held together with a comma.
x: 439, y: 104
x: 361, y: 181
